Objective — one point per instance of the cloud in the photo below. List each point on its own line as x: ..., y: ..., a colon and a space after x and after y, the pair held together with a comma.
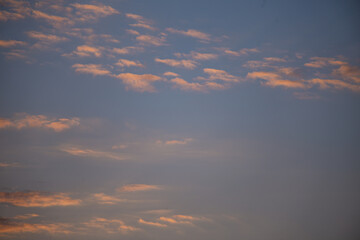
x: 38, y: 199
x: 152, y: 40
x: 189, y: 64
x: 87, y: 12
x: 5, y: 165
x: 83, y: 152
x: 244, y: 51
x: 174, y: 221
x: 194, y: 86
x: 333, y: 83
x: 5, y: 16
x: 154, y: 224
x: 273, y: 79
x: 139, y: 82
x: 346, y: 71
x: 132, y: 32
x: 140, y: 21
x: 128, y: 63
x: 56, y: 21
x: 48, y: 38
x: 102, y: 198
x: 198, y: 56
x: 320, y: 62
x: 15, y: 10
x: 306, y: 95
x: 110, y: 226
x: 175, y: 142
x: 170, y: 74
x: 26, y: 216
x: 127, y: 50
x: 11, y: 43
x: 256, y: 64
x: 94, y: 69
x: 86, y: 51
x: 138, y: 187
x: 23, y: 120
x: 215, y: 74
x: 191, y: 33
x: 274, y: 59
x: 8, y: 226
x: 121, y: 146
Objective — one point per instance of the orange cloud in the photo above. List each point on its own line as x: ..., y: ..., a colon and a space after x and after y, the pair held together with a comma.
x: 256, y: 64
x: 170, y: 74
x: 5, y: 165
x: 138, y: 187
x: 187, y: 86
x: 319, y: 62
x: 12, y: 227
x: 38, y: 199
x: 274, y: 80
x: 15, y: 10
x: 110, y: 226
x: 215, y: 74
x: 139, y: 82
x: 198, y: 56
x: 56, y: 21
x: 127, y: 50
x: 176, y: 142
x: 152, y: 40
x: 348, y: 72
x: 244, y: 51
x: 10, y: 43
x: 83, y: 152
x: 191, y: 33
x: 132, y: 32
x: 336, y: 84
x: 46, y: 37
x: 94, y: 69
x: 189, y: 64
x: 140, y: 21
x: 26, y: 216
x: 274, y: 59
x: 128, y: 63
x: 87, y: 12
x: 23, y: 120
x: 86, y: 51
x: 102, y: 198
x: 155, y: 224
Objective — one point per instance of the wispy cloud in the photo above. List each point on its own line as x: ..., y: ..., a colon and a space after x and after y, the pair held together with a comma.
x: 110, y: 226
x: 102, y: 198
x: 38, y: 199
x: 47, y: 38
x: 128, y: 63
x: 6, y: 165
x: 175, y: 142
x: 127, y: 50
x: 86, y: 12
x: 195, y: 86
x: 56, y: 21
x: 138, y: 187
x: 274, y: 79
x: 241, y: 52
x: 151, y: 40
x: 26, y: 216
x: 197, y: 55
x: 274, y: 59
x: 23, y: 120
x: 94, y: 69
x: 11, y: 43
x: 140, y: 21
x: 86, y: 51
x: 154, y: 224
x: 85, y: 152
x: 334, y: 84
x: 189, y: 64
x: 216, y: 74
x: 170, y: 74
x: 139, y: 82
x: 191, y: 33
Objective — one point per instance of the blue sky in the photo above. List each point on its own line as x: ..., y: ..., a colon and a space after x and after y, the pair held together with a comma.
x: 179, y: 119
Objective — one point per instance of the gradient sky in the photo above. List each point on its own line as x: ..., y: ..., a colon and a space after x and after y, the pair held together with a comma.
x: 181, y: 119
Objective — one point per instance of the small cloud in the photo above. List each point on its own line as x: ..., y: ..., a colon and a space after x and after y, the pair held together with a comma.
x: 256, y: 64
x: 56, y: 21
x: 151, y: 40
x: 216, y: 74
x: 170, y: 74
x: 102, y: 198
x: 139, y: 82
x: 191, y: 33
x: 127, y: 50
x: 273, y: 79
x: 306, y: 95
x: 198, y: 56
x: 11, y: 43
x: 274, y: 59
x: 85, y: 51
x: 176, y: 142
x: 132, y: 32
x: 84, y: 152
x: 138, y: 187
x: 189, y: 64
x: 47, y: 38
x: 140, y: 21
x: 23, y: 120
x: 194, y: 86
x: 110, y: 226
x: 9, y: 165
x: 244, y: 51
x: 38, y: 199
x: 88, y: 12
x: 25, y: 216
x: 334, y: 84
x: 154, y: 224
x: 94, y: 69
x: 121, y: 146
x: 128, y: 63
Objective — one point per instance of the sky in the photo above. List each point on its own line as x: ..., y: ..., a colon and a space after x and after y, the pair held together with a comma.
x: 201, y: 119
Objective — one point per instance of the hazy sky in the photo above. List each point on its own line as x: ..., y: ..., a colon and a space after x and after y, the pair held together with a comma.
x: 180, y: 119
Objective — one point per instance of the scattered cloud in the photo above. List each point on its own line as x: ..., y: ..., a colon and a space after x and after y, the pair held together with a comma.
x: 194, y: 86
x: 273, y: 79
x: 175, y: 142
x: 38, y: 199
x: 46, y: 38
x: 56, y: 21
x: 348, y: 72
x: 11, y: 43
x: 86, y: 51
x: 138, y: 187
x: 216, y: 74
x: 241, y: 52
x: 110, y: 226
x: 88, y: 12
x: 274, y: 59
x: 191, y: 33
x: 132, y: 32
x: 25, y: 216
x: 170, y: 74
x: 140, y: 21
x: 128, y: 63
x: 197, y: 55
x: 154, y: 224
x: 335, y: 84
x: 127, y: 50
x: 84, y: 152
x: 23, y: 120
x: 189, y: 64
x: 139, y: 82
x: 256, y: 64
x: 94, y: 69
x: 102, y: 198
x: 151, y: 40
